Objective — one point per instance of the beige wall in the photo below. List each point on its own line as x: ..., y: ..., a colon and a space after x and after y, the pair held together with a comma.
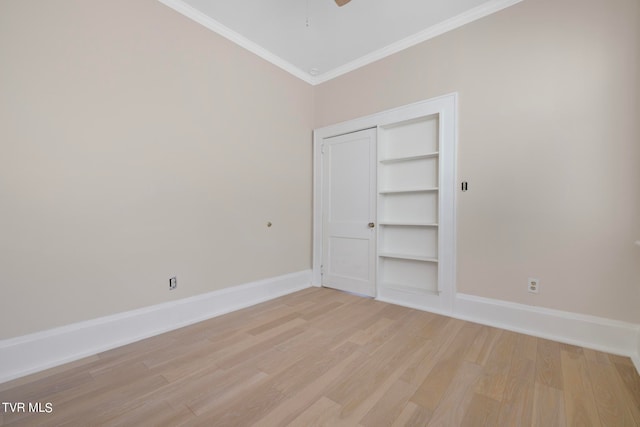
x: 549, y: 141
x: 136, y: 145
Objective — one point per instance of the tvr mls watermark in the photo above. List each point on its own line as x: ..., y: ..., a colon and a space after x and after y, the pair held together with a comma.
x: 27, y: 407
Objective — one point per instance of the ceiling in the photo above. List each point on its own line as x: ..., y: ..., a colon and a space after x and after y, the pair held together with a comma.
x: 316, y: 40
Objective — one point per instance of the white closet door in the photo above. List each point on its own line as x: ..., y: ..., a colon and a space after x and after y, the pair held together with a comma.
x: 349, y: 200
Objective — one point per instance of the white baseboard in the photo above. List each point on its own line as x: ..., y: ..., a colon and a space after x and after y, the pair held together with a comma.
x: 592, y: 332
x: 42, y: 350
x: 597, y: 333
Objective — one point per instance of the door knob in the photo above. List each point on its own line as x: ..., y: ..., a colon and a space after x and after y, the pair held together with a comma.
x: 371, y: 225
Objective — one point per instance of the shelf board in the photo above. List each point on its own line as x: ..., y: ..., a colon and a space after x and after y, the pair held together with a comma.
x: 407, y: 256
x: 408, y: 224
x: 409, y: 158
x: 409, y: 190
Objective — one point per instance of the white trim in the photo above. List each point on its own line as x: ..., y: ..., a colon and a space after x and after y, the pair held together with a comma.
x: 215, y: 26
x: 450, y: 24
x: 611, y: 336
x: 42, y: 350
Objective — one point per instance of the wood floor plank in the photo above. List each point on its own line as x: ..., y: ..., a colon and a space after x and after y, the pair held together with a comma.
x: 243, y: 410
x: 256, y: 349
x: 175, y: 369
x: 322, y: 310
x: 483, y: 411
x: 417, y: 372
x: 483, y: 345
x: 456, y: 400
x: 422, y: 324
x: 437, y: 382
x: 516, y: 407
x: 311, y: 391
x: 381, y: 337
x: 324, y: 412
x: 218, y: 394
x: 156, y: 358
x: 570, y: 348
x: 343, y: 316
x: 361, y: 381
x: 306, y: 371
x: 548, y: 369
x: 631, y: 382
x: 323, y: 357
x: 388, y: 408
x: 494, y: 377
x: 433, y: 326
x: 548, y: 407
x: 182, y: 390
x: 301, y: 347
x: 607, y: 393
x: 273, y: 324
x: 597, y: 356
x: 378, y: 381
x: 621, y: 360
x: 413, y: 415
x: 226, y: 351
x: 363, y: 337
x: 579, y: 402
x: 359, y: 317
x: 152, y: 414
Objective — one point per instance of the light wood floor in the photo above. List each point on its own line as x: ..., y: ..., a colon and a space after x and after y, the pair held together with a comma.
x: 322, y: 357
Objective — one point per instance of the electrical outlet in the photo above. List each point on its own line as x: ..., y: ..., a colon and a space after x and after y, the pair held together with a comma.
x: 533, y: 285
x: 173, y: 283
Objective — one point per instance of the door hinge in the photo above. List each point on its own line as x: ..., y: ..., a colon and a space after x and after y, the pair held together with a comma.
x: 322, y: 270
x: 322, y: 149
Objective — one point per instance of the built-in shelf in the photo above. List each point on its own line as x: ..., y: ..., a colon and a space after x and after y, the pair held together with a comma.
x: 409, y: 190
x: 408, y: 224
x: 409, y: 158
x: 408, y: 196
x: 407, y: 256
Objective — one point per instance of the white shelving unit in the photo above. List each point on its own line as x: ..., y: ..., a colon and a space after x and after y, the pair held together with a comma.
x: 415, y: 194
x: 408, y: 200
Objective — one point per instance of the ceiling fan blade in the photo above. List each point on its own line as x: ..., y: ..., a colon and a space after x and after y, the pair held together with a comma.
x: 342, y: 2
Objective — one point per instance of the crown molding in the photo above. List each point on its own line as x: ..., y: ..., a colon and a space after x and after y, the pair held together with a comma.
x: 215, y: 26
x: 458, y: 21
x: 422, y: 36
